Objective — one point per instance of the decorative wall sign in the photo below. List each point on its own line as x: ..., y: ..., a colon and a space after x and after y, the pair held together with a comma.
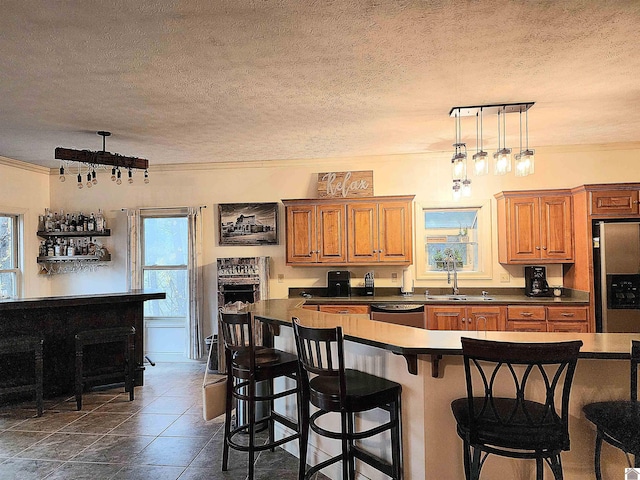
x: 345, y: 184
x: 248, y: 223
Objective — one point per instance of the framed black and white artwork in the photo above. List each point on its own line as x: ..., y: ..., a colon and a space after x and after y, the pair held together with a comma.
x: 248, y: 223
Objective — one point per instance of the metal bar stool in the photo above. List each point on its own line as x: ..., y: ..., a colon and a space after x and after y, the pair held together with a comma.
x: 247, y: 366
x: 107, y: 373
x: 618, y: 422
x: 23, y: 345
x: 527, y: 424
x: 334, y: 388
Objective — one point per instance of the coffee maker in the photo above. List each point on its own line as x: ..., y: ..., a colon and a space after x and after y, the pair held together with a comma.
x: 535, y: 282
x: 339, y: 283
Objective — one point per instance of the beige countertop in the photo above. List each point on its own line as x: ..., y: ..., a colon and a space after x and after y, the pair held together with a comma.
x: 409, y: 341
x: 440, y: 299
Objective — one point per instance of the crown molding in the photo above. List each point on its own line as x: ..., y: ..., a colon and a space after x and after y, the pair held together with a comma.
x: 10, y: 162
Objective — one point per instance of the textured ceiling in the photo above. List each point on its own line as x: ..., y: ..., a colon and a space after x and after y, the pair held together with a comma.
x: 195, y: 81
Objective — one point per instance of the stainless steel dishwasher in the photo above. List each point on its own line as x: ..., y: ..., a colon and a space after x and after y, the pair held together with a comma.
x: 409, y: 314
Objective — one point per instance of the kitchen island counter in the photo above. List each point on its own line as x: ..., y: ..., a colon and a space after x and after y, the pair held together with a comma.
x: 432, y: 449
x: 58, y: 319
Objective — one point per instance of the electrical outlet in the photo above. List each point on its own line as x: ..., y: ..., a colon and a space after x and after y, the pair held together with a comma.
x: 280, y: 278
x: 394, y: 277
x: 505, y: 278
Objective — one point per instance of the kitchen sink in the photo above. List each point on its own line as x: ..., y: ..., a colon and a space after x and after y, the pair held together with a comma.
x: 459, y: 298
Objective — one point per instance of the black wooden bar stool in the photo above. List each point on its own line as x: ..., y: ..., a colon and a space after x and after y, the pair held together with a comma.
x: 618, y: 421
x: 526, y: 422
x: 18, y: 345
x: 249, y: 365
x: 103, y: 370
x: 333, y: 388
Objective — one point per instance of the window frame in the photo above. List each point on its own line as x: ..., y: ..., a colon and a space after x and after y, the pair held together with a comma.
x: 174, y: 213
x: 485, y: 248
x: 18, y: 251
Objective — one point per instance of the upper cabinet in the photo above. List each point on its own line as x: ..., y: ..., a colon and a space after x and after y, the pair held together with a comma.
x: 348, y: 231
x: 619, y: 202
x: 535, y: 226
x: 316, y: 233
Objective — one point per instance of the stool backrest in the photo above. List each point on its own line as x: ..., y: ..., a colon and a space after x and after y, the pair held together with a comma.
x: 635, y: 360
x: 507, y: 370
x: 238, y: 336
x: 321, y: 352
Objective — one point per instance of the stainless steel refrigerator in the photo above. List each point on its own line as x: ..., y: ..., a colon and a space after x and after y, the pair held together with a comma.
x: 616, y: 256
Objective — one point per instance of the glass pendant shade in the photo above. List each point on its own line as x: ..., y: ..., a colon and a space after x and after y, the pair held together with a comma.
x: 502, y: 161
x: 456, y: 190
x: 62, y: 177
x: 459, y: 166
x: 481, y: 163
x: 466, y: 188
x: 525, y: 163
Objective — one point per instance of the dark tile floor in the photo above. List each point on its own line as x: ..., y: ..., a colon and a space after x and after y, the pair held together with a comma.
x: 161, y: 435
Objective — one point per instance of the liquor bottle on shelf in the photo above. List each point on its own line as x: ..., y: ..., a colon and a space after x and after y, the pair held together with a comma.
x: 91, y: 223
x: 101, y: 224
x: 73, y: 224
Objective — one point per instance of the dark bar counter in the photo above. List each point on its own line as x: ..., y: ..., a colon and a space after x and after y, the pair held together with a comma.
x: 58, y: 319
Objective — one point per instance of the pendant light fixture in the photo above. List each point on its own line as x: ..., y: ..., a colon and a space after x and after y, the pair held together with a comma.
x: 461, y: 184
x: 525, y: 160
x: 502, y: 156
x: 90, y: 162
x: 480, y: 158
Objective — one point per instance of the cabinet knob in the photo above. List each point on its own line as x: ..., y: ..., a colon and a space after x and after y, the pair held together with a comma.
x: 544, y: 248
x: 537, y: 248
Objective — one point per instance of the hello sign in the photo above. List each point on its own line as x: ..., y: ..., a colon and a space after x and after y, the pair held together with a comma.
x: 345, y: 184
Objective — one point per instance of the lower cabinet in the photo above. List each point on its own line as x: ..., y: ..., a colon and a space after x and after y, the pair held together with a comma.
x: 344, y: 309
x: 547, y: 319
x: 469, y: 317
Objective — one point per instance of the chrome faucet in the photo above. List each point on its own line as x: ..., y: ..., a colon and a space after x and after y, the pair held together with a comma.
x: 451, y: 265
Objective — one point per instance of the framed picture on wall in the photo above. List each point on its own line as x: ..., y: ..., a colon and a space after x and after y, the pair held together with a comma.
x: 248, y: 223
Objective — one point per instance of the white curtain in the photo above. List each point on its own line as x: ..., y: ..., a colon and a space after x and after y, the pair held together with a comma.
x: 196, y: 296
x: 134, y: 261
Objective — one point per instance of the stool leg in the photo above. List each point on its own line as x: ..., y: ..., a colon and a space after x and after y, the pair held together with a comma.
x: 130, y: 374
x: 345, y: 445
x: 39, y: 380
x: 79, y: 377
x: 227, y: 415
x: 303, y: 428
x: 396, y: 438
x: 251, y: 404
x: 596, y: 457
x: 350, y: 433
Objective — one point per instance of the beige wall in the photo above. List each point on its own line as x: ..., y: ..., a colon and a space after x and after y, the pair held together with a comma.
x: 426, y: 175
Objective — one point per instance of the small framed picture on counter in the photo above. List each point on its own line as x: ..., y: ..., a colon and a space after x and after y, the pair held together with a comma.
x: 248, y: 223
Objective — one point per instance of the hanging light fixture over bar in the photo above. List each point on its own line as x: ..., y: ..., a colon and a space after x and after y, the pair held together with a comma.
x: 502, y: 157
x: 100, y: 160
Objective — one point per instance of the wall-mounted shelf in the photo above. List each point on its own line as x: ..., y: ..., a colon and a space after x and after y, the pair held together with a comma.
x: 55, y: 264
x: 93, y: 233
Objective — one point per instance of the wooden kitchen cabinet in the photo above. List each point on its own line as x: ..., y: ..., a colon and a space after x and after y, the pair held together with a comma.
x: 344, y: 309
x: 349, y: 231
x: 614, y: 202
x: 379, y: 232
x: 470, y: 317
x: 547, y: 319
x: 535, y: 227
x: 316, y: 233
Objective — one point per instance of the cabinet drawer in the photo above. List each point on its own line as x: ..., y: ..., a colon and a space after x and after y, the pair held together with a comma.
x: 310, y: 307
x: 570, y: 314
x: 569, y: 327
x: 526, y: 313
x: 526, y: 326
x: 614, y: 202
x: 344, y: 309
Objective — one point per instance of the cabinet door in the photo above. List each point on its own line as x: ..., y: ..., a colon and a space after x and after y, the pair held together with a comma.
x: 301, y: 234
x: 362, y: 233
x: 394, y: 222
x: 571, y: 327
x: 485, y: 318
x: 526, y: 326
x: 445, y: 318
x: 568, y: 319
x: 526, y: 318
x: 556, y: 228
x: 524, y: 229
x: 331, y: 233
x: 614, y: 202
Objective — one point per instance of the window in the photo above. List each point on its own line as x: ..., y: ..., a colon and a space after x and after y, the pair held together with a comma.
x: 9, y: 256
x: 461, y: 233
x: 165, y: 265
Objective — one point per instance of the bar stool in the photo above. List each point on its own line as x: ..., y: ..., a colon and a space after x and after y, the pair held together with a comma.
x: 527, y: 424
x: 248, y: 365
x: 618, y: 422
x: 105, y: 373
x: 334, y: 388
x: 23, y: 345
